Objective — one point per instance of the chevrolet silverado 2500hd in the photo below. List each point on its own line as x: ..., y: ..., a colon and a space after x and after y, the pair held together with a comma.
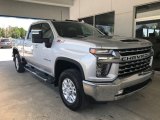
x: 83, y: 62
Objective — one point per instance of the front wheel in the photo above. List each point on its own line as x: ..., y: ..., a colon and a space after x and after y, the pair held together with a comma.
x: 18, y: 64
x: 71, y: 89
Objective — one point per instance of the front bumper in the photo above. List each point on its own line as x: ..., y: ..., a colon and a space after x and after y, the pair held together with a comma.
x: 110, y: 91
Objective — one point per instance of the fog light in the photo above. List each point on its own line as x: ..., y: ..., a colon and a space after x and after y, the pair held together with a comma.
x: 120, y: 92
x: 102, y: 69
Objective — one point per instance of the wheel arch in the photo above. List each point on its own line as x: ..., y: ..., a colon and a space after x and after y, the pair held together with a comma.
x: 14, y: 52
x: 63, y: 63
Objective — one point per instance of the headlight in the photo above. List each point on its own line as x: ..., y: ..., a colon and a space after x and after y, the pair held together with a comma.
x: 105, y: 58
x: 105, y: 55
x: 102, y: 68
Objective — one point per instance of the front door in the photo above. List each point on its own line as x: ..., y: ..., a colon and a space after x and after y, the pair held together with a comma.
x: 43, y: 54
x: 29, y: 46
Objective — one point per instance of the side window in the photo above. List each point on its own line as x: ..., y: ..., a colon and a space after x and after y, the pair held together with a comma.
x: 47, y: 32
x: 34, y: 28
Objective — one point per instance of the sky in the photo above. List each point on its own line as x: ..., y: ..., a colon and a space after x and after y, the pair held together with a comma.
x: 15, y: 22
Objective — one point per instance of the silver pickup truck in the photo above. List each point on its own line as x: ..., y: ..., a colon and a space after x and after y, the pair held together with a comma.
x: 83, y: 62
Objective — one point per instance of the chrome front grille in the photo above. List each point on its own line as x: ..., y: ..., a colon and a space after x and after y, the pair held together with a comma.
x: 127, y: 68
x: 134, y: 51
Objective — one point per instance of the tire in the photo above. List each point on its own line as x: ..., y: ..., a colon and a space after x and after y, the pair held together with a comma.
x: 76, y: 90
x: 18, y: 64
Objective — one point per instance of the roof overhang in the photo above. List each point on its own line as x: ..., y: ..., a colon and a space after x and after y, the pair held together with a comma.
x: 61, y: 3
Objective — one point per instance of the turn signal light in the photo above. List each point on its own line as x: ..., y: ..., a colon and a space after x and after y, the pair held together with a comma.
x: 98, y: 51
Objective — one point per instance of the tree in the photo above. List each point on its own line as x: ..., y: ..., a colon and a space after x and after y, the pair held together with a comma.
x: 2, y: 32
x: 13, y: 32
x: 22, y: 32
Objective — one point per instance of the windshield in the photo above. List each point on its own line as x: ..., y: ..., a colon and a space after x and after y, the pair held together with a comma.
x: 75, y: 29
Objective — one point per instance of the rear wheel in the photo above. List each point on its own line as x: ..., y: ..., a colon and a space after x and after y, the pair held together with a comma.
x: 18, y: 64
x: 71, y: 89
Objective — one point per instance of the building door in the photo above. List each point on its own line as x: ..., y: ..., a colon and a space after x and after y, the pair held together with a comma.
x: 147, y: 21
x: 150, y: 30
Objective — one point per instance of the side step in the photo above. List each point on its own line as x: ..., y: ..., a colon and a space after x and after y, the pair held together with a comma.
x: 45, y: 77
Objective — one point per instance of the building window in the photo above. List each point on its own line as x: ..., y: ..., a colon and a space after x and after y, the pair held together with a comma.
x: 148, y: 29
x: 88, y: 20
x: 104, y: 22
x: 148, y: 10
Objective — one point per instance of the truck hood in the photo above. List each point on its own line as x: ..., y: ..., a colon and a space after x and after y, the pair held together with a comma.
x: 117, y: 42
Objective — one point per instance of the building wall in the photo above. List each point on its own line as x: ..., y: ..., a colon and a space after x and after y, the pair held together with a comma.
x: 124, y: 12
x: 31, y: 10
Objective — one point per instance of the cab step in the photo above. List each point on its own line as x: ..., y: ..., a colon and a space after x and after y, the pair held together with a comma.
x: 44, y: 76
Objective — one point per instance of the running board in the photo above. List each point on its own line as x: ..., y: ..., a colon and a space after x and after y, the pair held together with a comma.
x: 39, y: 74
x: 34, y: 73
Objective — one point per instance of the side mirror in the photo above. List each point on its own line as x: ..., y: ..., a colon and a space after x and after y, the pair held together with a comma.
x: 37, y: 37
x: 47, y: 42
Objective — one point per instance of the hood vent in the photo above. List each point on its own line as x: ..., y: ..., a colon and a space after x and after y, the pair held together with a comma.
x: 130, y: 40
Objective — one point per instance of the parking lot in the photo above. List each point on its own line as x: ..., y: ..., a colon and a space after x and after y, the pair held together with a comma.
x: 25, y: 97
